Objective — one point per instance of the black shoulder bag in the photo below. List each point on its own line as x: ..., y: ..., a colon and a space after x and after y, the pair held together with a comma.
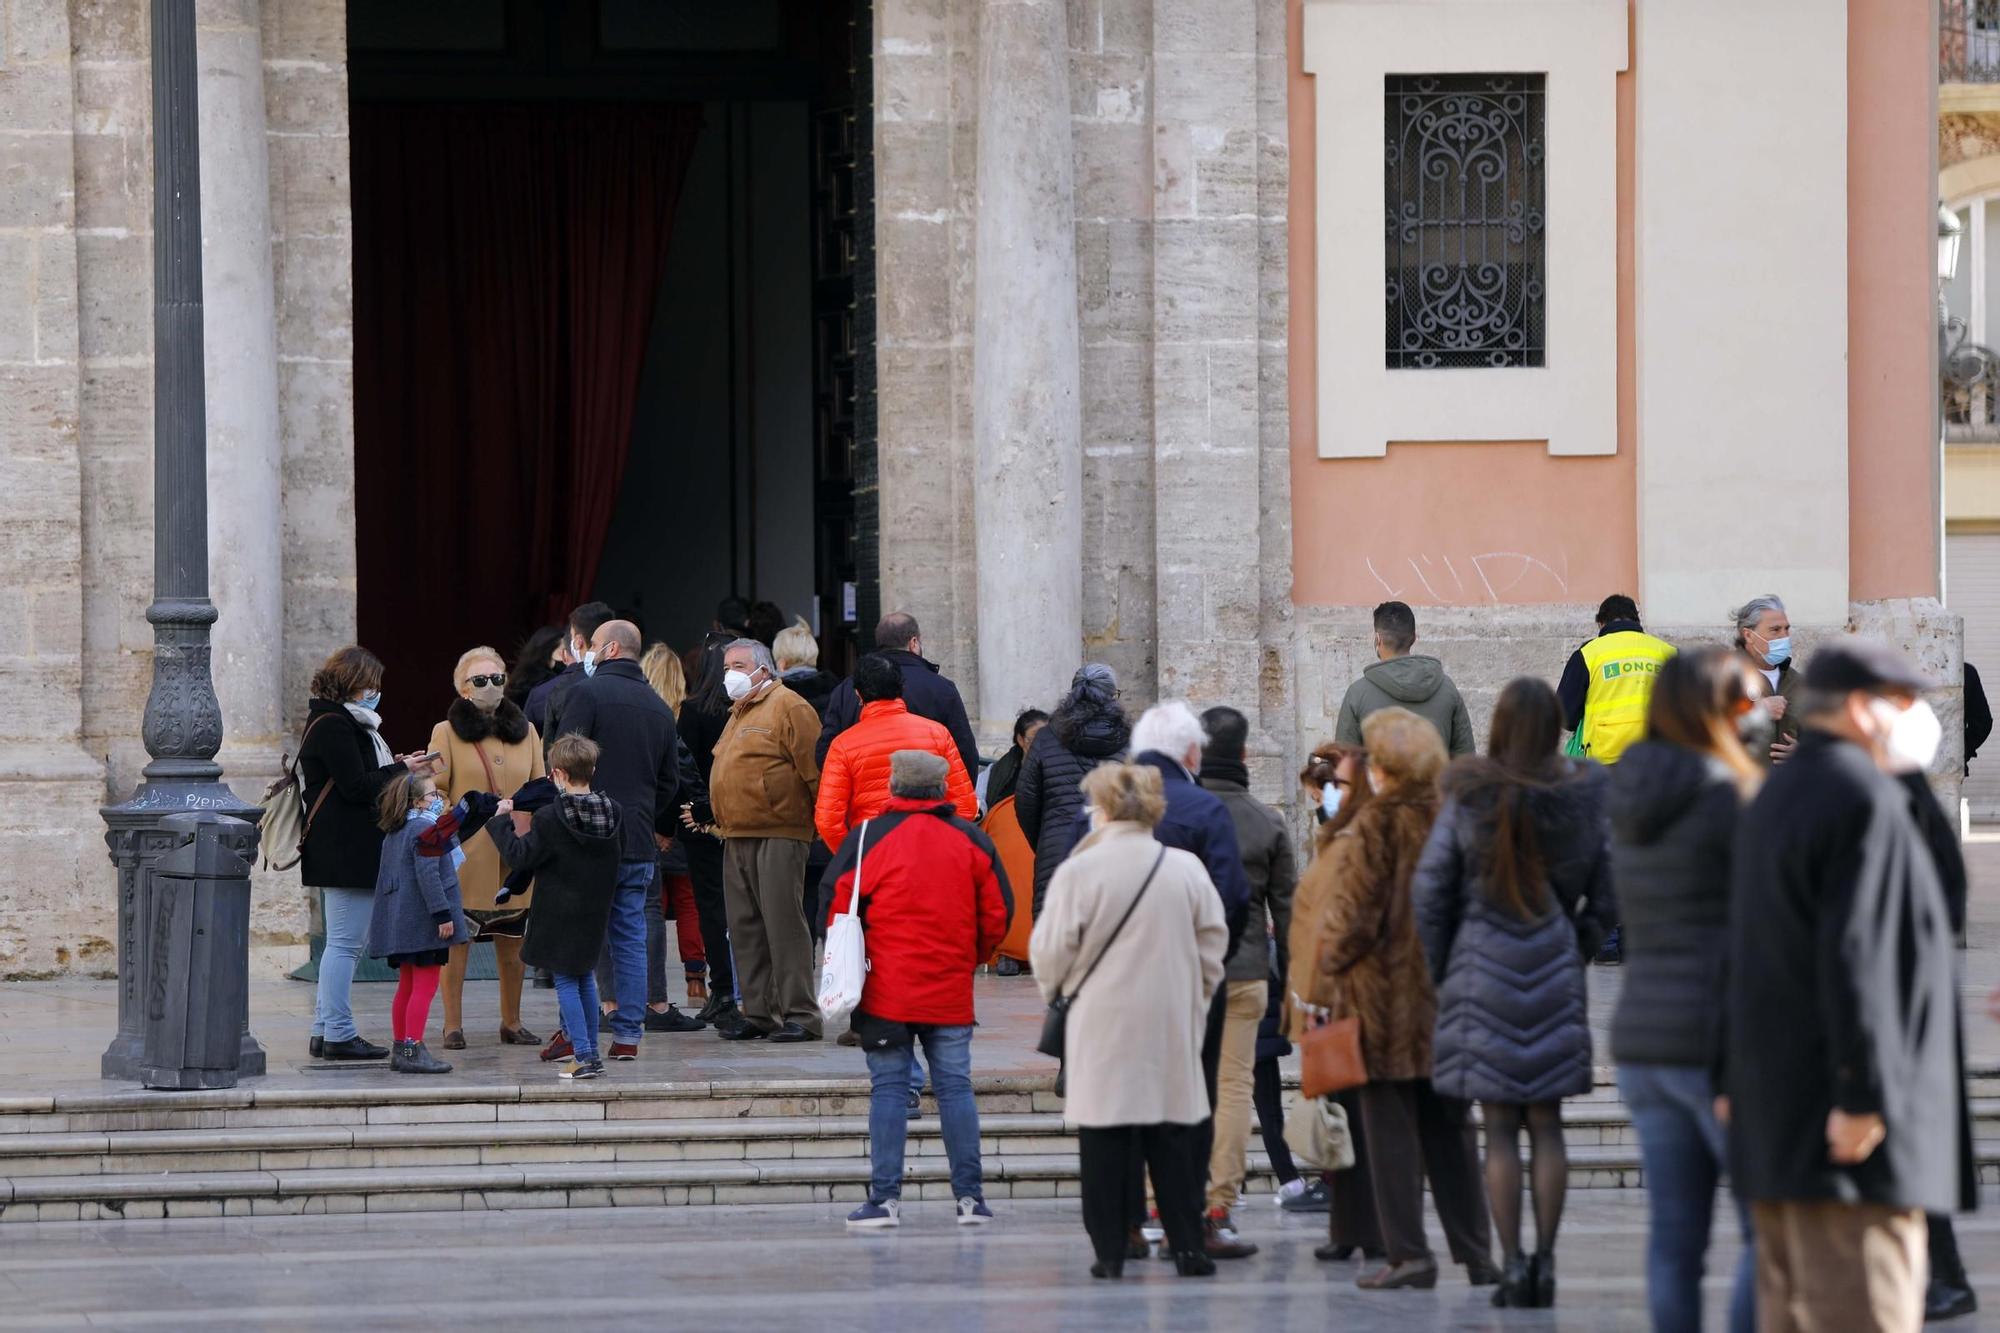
x: 1054, y: 1023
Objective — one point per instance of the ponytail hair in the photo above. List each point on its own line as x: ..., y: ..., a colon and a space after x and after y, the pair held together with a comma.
x: 393, y: 806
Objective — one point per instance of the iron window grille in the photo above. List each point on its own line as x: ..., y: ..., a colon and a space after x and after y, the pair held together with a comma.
x: 1466, y: 163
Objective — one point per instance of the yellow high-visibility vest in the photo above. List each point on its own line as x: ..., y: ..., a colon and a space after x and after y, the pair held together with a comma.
x: 1622, y: 667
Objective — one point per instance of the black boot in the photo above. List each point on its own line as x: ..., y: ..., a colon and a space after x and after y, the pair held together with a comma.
x: 1516, y: 1289
x: 1543, y: 1268
x: 1193, y: 1263
x: 417, y: 1060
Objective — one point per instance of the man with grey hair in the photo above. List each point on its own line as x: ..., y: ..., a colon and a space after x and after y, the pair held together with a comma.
x: 762, y: 787
x: 1764, y: 636
x: 1169, y: 737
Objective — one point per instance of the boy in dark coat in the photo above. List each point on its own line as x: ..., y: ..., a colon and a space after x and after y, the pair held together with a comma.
x: 1841, y: 1062
x: 572, y: 849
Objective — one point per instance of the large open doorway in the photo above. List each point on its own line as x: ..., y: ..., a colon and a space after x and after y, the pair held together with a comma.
x: 613, y: 316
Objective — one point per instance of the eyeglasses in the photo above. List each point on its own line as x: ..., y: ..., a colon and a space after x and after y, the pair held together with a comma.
x: 481, y: 682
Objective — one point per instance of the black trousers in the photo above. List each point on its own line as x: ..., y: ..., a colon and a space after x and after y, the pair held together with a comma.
x: 1351, y: 1220
x: 1947, y: 1267
x: 1267, y: 1095
x: 705, y: 869
x: 1410, y: 1130
x: 1113, y: 1162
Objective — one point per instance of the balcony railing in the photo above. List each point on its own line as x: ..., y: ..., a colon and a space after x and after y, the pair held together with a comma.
x: 1969, y: 41
x: 1969, y: 383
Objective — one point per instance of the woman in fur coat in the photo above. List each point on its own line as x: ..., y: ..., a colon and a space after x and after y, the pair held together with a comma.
x: 1355, y: 953
x: 488, y: 745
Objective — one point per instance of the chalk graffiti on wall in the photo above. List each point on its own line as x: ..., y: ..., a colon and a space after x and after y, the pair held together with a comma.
x: 1488, y: 576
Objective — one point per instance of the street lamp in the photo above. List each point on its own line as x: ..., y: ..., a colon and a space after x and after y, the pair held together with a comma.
x: 1950, y: 232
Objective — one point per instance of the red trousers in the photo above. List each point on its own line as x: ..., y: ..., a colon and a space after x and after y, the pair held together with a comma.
x: 677, y: 901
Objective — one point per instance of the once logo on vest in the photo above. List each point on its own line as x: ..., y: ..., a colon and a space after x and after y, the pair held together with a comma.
x: 1632, y: 666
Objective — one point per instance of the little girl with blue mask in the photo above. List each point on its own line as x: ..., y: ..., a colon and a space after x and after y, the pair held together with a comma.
x: 418, y: 914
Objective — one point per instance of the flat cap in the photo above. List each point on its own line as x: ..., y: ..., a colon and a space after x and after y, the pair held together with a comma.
x: 916, y: 770
x: 1863, y: 664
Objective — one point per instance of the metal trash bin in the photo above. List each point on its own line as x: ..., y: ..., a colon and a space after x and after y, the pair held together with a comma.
x: 198, y: 957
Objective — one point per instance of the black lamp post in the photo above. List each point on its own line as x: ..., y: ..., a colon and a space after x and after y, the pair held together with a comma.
x: 183, y: 724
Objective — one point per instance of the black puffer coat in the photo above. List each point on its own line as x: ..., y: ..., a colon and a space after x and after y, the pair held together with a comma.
x: 1512, y: 1022
x: 1049, y: 794
x: 1673, y: 826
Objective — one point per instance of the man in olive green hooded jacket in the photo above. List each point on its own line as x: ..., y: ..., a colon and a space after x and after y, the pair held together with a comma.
x: 1401, y: 680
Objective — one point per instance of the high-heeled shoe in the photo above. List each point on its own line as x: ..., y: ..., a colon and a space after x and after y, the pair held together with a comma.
x: 1542, y: 1268
x: 1107, y: 1272
x: 1516, y: 1290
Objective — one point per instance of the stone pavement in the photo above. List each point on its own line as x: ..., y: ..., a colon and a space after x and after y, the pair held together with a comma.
x: 787, y: 1267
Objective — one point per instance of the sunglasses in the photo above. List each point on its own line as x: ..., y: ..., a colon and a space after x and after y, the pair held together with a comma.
x: 481, y: 682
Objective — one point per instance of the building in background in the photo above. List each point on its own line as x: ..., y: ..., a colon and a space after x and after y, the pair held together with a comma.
x: 1168, y: 333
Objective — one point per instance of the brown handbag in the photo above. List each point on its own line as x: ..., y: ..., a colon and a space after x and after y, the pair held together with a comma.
x: 1330, y: 1058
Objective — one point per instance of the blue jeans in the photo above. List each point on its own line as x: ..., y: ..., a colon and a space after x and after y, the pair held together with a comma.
x: 627, y: 936
x: 347, y: 915
x: 576, y: 1000
x: 950, y: 1052
x: 1683, y: 1150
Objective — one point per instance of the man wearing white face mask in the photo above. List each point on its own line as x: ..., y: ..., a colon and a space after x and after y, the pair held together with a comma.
x: 584, y: 622
x: 762, y: 788
x: 1843, y: 1082
x: 1764, y: 635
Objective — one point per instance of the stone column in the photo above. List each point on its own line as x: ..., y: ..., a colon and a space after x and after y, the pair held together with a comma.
x: 1027, y: 424
x: 245, y: 456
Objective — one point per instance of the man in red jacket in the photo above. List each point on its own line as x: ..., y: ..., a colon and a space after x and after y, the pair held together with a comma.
x: 854, y: 779
x: 935, y: 903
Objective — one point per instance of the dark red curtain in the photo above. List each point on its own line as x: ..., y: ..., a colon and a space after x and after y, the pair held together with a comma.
x: 506, y: 260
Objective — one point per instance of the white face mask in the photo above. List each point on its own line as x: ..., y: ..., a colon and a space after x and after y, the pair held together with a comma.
x: 1329, y: 800
x: 1912, y: 734
x: 736, y: 684
x: 590, y: 663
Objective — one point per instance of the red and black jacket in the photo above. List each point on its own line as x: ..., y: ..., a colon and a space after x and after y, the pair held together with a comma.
x: 935, y: 904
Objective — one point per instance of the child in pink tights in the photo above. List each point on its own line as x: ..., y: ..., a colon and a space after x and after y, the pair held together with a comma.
x: 418, y: 915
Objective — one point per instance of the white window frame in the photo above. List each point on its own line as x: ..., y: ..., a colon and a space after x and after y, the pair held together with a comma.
x: 1571, y: 402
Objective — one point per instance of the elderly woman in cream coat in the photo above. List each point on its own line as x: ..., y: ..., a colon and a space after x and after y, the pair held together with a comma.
x: 1133, y: 1045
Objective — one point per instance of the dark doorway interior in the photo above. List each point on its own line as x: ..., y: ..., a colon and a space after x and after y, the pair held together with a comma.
x: 606, y: 320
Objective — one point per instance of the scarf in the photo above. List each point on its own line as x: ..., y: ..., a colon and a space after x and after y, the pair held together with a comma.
x: 457, y: 854
x: 473, y: 724
x: 1226, y: 770
x: 371, y: 722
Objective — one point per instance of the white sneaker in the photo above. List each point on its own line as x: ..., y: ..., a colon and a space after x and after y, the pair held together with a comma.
x: 974, y: 1213
x: 1291, y: 1189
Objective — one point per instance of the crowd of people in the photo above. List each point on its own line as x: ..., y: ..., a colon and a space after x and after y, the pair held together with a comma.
x: 1755, y: 842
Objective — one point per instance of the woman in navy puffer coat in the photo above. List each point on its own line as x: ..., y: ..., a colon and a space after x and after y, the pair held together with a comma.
x: 1512, y: 896
x: 1088, y: 728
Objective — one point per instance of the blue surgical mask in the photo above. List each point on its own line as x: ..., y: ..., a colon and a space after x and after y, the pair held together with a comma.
x: 1778, y: 651
x: 372, y: 701
x: 1329, y: 800
x: 433, y: 806
x: 590, y: 663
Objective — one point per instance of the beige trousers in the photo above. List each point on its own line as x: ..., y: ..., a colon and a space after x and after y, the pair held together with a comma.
x: 1235, y: 1077
x: 1826, y: 1267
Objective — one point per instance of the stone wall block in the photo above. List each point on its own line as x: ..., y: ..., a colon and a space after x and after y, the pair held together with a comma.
x: 1117, y: 396
x: 303, y: 99
x: 1225, y: 167
x: 1183, y: 613
x: 36, y: 31
x: 910, y: 27
x: 1234, y: 398
x: 114, y: 292
x: 1112, y: 181
x: 1125, y: 25
x: 115, y: 99
x: 56, y: 615
x: 911, y: 157
x: 312, y: 30
x: 319, y: 524
x: 316, y: 404
x: 911, y: 310
x: 315, y: 298
x: 102, y: 30
x: 913, y: 88
x: 17, y: 295
x: 1234, y: 601
x: 1199, y: 521
x: 310, y: 185
x: 1205, y: 27
x: 38, y: 430
x: 229, y: 15
x: 35, y: 97
x: 1180, y: 401
x: 1112, y: 88
x: 55, y: 298
x: 117, y: 410
x: 1207, y: 280
x: 36, y: 186
x: 105, y: 195
x: 15, y: 632
x: 1115, y: 281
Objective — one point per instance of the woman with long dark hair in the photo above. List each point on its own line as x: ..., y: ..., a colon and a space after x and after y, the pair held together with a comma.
x: 1513, y: 895
x: 1675, y: 800
x: 534, y: 663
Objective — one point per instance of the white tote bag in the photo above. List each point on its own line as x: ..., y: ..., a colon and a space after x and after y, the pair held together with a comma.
x: 846, y: 964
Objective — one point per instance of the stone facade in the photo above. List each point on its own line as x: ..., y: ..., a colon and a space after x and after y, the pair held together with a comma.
x: 76, y: 433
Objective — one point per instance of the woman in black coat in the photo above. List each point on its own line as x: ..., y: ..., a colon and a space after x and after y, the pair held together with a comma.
x: 1088, y: 728
x: 700, y: 719
x: 1513, y: 895
x: 1675, y: 802
x: 343, y: 765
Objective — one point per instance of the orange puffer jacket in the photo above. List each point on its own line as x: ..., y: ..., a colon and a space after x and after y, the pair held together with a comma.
x: 854, y: 783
